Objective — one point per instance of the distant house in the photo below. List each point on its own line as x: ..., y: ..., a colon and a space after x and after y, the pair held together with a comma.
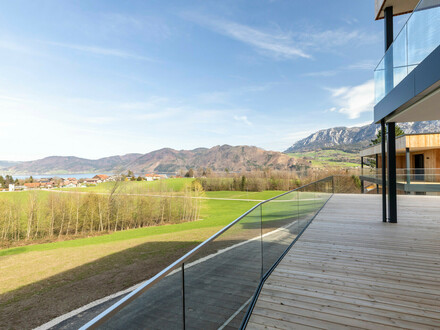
x: 92, y: 181
x: 73, y: 180
x: 32, y: 185
x: 47, y: 184
x: 115, y: 178
x: 11, y: 187
x: 70, y: 182
x: 101, y: 177
x: 152, y: 177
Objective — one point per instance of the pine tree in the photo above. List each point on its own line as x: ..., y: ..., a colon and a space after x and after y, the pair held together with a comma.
x: 378, y: 138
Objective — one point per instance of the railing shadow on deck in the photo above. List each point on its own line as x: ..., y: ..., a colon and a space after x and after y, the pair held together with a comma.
x: 217, y: 283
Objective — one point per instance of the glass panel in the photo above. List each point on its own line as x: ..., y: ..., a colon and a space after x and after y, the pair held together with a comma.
x: 306, y: 206
x: 220, y: 282
x: 280, y: 227
x: 160, y: 307
x: 379, y: 84
x: 418, y: 38
x: 399, y: 49
x: 389, y: 70
x: 423, y: 31
x: 399, y: 75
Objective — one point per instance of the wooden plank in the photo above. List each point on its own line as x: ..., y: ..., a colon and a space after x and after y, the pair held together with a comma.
x: 351, y: 270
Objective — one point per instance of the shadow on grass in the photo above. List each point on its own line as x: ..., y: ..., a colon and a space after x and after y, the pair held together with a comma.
x: 37, y: 303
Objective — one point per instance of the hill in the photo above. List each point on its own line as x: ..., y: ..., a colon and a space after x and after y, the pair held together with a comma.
x: 352, y: 139
x: 70, y: 164
x: 7, y: 163
x: 233, y: 158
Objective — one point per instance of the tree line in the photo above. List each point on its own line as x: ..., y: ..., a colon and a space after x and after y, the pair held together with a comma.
x: 7, y: 180
x: 55, y: 215
x: 276, y: 180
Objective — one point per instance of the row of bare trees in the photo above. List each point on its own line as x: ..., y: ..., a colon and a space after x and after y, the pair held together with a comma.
x: 39, y: 214
x: 259, y: 180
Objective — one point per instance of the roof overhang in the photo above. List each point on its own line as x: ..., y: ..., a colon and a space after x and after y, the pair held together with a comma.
x: 400, y: 7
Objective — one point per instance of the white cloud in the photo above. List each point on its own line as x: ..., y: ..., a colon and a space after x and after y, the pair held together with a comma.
x: 353, y: 101
x: 102, y: 51
x: 281, y: 44
x: 362, y: 65
x: 329, y: 40
x: 243, y: 119
x: 277, y: 44
x: 327, y: 73
x: 361, y: 124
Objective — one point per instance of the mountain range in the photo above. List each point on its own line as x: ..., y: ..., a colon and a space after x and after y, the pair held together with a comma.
x: 218, y: 158
x: 233, y: 158
x: 353, y: 139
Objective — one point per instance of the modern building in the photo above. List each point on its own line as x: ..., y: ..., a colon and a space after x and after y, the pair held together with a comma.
x: 417, y: 163
x: 407, y: 81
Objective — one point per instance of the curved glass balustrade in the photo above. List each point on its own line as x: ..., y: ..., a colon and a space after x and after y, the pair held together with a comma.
x: 213, y: 285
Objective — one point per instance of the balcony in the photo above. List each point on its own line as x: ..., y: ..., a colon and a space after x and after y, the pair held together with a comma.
x: 408, y: 180
x: 419, y: 37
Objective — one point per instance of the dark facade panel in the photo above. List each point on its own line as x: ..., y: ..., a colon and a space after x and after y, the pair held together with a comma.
x: 428, y: 74
x: 401, y: 94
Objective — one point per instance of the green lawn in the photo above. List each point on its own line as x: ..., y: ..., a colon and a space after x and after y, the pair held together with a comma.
x: 263, y: 195
x: 329, y: 157
x: 175, y: 185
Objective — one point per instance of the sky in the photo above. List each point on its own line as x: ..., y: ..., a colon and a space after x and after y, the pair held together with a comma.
x: 100, y: 78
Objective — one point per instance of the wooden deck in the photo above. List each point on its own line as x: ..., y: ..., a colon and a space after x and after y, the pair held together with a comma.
x: 350, y: 270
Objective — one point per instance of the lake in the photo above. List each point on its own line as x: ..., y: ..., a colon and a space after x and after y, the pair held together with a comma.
x: 76, y: 176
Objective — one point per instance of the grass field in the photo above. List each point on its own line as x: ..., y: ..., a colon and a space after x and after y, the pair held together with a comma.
x: 168, y: 185
x: 330, y: 157
x: 47, y: 274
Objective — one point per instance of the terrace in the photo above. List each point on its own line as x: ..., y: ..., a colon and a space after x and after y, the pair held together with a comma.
x: 351, y: 270
x: 308, y: 258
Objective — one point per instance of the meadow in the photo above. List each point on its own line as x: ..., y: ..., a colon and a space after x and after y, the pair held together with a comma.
x: 329, y: 158
x: 93, y: 267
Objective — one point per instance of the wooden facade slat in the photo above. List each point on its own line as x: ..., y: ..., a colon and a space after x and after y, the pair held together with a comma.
x: 351, y: 270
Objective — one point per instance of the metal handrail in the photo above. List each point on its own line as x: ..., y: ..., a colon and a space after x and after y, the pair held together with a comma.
x: 112, y: 310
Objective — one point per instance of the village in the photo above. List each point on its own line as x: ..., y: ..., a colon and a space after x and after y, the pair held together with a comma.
x: 59, y: 182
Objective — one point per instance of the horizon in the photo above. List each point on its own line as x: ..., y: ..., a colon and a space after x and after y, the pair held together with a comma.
x: 202, y: 147
x: 98, y: 79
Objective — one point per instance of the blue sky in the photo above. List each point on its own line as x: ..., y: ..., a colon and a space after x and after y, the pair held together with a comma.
x: 99, y: 78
